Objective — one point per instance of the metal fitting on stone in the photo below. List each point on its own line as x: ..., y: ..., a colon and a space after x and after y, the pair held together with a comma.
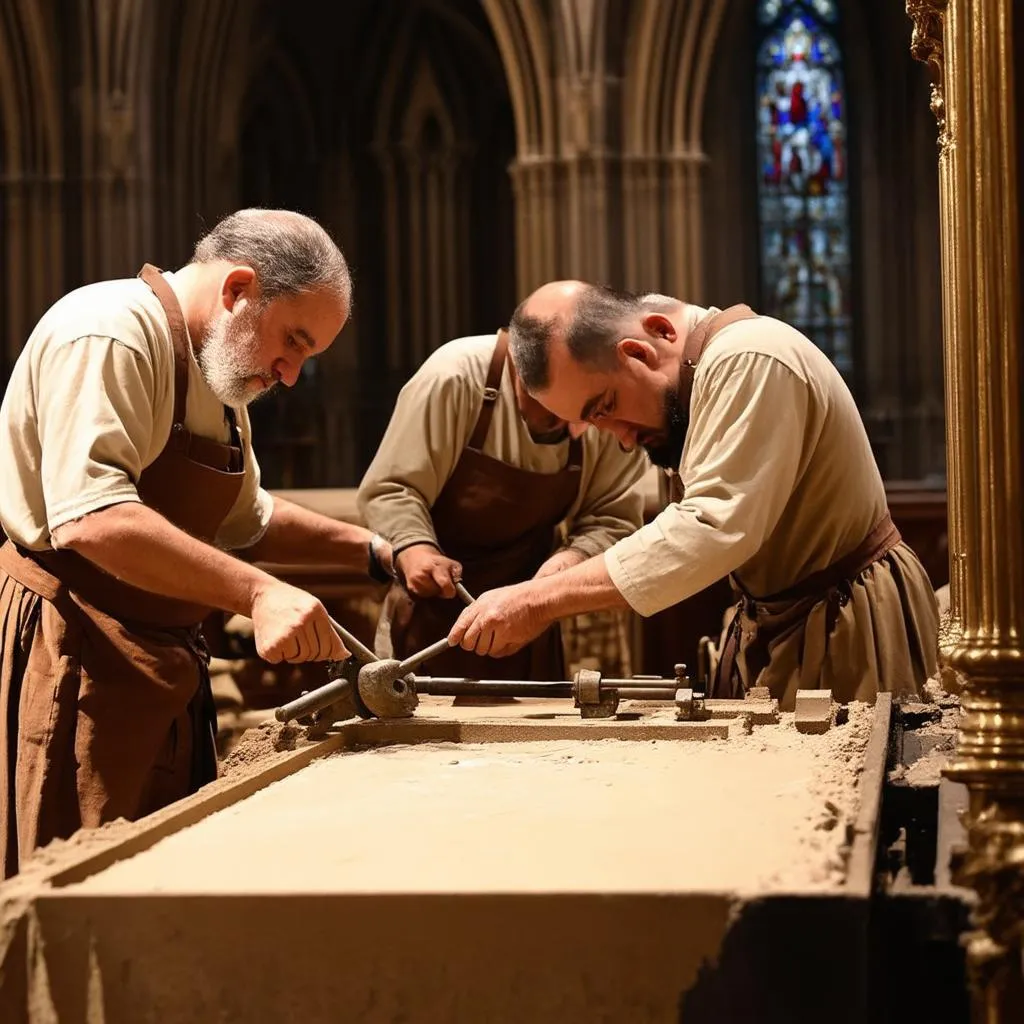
x: 589, y: 696
x: 386, y: 691
x: 690, y: 706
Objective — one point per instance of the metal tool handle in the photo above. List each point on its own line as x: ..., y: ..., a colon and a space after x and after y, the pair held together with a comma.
x: 354, y: 644
x: 415, y: 660
x: 315, y: 700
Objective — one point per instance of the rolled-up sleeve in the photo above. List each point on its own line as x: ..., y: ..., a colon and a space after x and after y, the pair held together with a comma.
x: 747, y: 435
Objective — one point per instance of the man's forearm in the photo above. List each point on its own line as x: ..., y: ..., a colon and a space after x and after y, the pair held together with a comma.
x: 297, y: 535
x: 142, y: 548
x: 586, y: 587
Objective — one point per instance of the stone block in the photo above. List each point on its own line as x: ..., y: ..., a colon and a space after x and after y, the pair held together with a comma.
x: 814, y: 710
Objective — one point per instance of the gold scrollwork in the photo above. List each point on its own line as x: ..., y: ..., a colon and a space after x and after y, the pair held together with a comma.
x: 994, y: 868
x: 926, y: 46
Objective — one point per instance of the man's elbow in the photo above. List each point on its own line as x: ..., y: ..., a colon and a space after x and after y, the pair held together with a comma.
x: 76, y: 535
x: 90, y: 532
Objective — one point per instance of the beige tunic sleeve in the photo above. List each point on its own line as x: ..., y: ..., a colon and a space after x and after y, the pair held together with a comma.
x: 429, y: 428
x: 743, y: 456
x: 610, y: 505
x: 94, y: 417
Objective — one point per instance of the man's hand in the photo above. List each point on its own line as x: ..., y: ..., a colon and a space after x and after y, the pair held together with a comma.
x: 291, y: 625
x: 427, y: 573
x: 501, y: 621
x: 559, y: 562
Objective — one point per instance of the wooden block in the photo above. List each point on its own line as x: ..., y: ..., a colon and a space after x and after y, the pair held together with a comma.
x: 813, y: 710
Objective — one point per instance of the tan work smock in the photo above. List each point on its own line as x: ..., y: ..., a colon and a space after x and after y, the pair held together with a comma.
x: 500, y: 522
x: 782, y: 494
x: 104, y: 686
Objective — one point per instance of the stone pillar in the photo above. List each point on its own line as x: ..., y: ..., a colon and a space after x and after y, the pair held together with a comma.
x: 969, y: 45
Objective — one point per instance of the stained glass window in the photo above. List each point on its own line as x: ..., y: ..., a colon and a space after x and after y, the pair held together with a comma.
x: 802, y: 154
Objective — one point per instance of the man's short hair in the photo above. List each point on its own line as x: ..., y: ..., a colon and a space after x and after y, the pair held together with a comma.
x: 591, y: 332
x: 291, y: 253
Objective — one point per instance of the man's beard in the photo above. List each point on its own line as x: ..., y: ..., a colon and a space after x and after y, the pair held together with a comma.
x: 229, y: 363
x: 666, y: 450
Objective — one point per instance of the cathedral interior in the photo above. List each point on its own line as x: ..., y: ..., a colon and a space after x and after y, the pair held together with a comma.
x: 791, y: 154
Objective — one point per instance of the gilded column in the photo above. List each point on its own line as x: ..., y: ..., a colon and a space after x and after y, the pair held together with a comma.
x: 969, y: 46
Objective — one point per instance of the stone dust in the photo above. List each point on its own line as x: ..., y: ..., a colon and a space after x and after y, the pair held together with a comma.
x: 771, y: 811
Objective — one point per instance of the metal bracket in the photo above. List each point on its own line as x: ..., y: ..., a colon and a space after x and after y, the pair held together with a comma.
x: 589, y: 697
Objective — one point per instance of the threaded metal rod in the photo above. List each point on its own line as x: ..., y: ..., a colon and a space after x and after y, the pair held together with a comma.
x: 451, y: 686
x: 441, y: 686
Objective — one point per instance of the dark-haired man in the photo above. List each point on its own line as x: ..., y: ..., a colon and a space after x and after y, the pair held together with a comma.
x: 128, y: 474
x: 475, y: 480
x: 781, y: 491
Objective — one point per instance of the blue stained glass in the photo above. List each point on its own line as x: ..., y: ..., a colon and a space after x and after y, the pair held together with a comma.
x: 802, y: 156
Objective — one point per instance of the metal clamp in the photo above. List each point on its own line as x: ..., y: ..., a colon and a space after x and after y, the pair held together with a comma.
x: 590, y: 698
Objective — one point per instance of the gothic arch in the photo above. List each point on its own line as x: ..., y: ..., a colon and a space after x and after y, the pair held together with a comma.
x: 32, y: 163
x: 669, y: 57
x: 521, y: 33
x: 193, y: 127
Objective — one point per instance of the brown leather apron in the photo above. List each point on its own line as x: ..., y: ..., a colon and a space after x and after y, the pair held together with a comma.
x: 104, y: 687
x: 813, y: 604
x: 499, y: 521
x: 758, y: 622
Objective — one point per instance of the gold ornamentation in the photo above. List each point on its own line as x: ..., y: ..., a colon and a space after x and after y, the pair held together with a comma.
x: 926, y: 46
x: 969, y: 46
x: 994, y: 868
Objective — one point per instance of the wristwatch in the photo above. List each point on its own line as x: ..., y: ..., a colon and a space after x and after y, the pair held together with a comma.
x: 376, y: 570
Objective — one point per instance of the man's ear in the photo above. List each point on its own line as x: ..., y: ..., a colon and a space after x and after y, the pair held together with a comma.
x: 238, y: 285
x: 659, y: 326
x: 637, y: 348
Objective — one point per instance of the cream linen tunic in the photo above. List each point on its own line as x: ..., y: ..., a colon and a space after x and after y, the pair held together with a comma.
x: 431, y: 424
x: 780, y: 482
x: 89, y: 407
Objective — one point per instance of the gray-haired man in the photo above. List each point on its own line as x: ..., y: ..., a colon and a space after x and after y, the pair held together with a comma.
x: 128, y: 473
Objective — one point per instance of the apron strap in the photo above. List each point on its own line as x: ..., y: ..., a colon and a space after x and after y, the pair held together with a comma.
x: 179, y: 335
x: 182, y: 349
x: 697, y: 340
x: 491, y: 390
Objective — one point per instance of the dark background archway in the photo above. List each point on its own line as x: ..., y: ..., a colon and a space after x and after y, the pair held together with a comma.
x: 391, y: 124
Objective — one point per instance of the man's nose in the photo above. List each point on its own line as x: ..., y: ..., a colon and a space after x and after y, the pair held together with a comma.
x: 287, y: 372
x: 626, y: 436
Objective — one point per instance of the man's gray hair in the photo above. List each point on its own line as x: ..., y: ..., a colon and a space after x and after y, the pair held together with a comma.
x: 290, y: 253
x: 591, y: 332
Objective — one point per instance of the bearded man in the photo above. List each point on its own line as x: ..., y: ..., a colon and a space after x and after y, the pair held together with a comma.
x: 128, y: 477
x: 781, y: 491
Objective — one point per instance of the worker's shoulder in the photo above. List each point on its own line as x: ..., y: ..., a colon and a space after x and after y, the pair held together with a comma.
x: 125, y: 310
x: 464, y: 360
x: 773, y: 341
